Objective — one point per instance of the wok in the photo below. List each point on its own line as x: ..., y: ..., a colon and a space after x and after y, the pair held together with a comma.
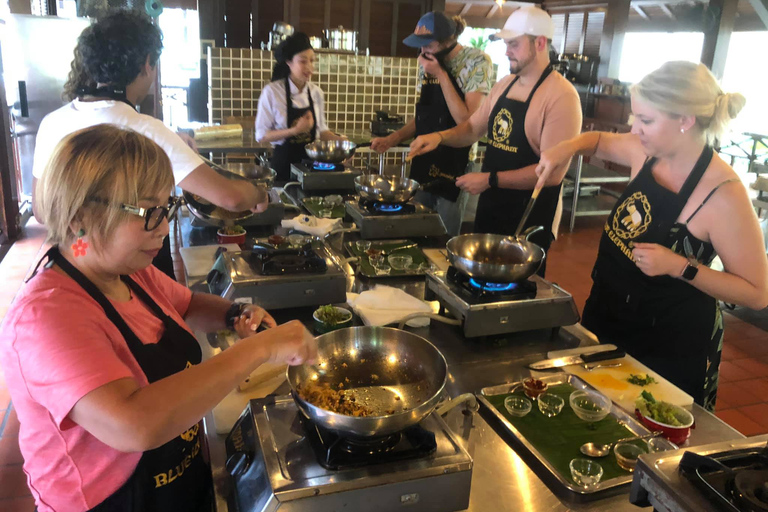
x: 330, y: 151
x: 382, y: 363
x: 497, y: 258
x: 257, y: 174
x: 386, y: 189
x: 212, y: 214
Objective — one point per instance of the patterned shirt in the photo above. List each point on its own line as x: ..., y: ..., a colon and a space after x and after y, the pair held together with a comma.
x: 472, y: 69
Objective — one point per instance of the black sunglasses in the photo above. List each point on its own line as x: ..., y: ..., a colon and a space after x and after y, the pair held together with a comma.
x: 152, y: 216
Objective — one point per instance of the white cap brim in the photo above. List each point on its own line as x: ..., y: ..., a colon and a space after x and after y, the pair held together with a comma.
x: 504, y: 34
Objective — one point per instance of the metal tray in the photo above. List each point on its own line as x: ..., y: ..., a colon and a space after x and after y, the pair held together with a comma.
x: 420, y: 268
x: 551, y: 476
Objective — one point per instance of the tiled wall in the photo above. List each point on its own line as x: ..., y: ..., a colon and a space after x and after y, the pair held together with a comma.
x: 355, y: 86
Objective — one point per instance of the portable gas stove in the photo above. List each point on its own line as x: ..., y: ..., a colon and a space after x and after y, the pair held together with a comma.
x: 323, y: 176
x: 281, y: 461
x: 388, y: 220
x: 275, y: 279
x: 488, y: 309
x: 729, y: 476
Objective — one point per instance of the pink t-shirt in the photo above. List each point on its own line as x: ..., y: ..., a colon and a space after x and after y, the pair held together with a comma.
x: 56, y: 346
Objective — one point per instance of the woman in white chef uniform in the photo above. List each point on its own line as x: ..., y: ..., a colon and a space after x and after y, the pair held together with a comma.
x: 291, y: 111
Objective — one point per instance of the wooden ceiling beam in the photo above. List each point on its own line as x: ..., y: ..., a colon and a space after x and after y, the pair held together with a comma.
x: 666, y: 10
x: 465, y: 9
x: 761, y: 8
x: 639, y: 10
x: 492, y: 11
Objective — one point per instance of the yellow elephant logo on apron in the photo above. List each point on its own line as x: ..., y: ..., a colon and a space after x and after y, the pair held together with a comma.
x: 632, y: 217
x: 502, y: 125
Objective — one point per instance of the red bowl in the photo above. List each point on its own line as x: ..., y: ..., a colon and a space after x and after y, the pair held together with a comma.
x: 223, y: 238
x: 677, y: 435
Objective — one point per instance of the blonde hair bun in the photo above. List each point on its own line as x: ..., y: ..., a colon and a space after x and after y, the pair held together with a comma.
x: 690, y: 89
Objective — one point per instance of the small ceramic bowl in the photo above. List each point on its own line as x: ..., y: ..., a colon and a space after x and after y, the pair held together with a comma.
x: 586, y: 473
x: 676, y: 434
x: 322, y: 327
x: 225, y: 238
x: 550, y: 405
x: 400, y: 261
x: 517, y: 406
x: 589, y: 405
x: 627, y: 452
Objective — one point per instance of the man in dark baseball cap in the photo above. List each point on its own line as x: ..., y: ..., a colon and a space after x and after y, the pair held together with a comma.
x: 433, y: 26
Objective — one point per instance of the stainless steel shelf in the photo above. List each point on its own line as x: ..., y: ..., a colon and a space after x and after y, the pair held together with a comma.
x: 600, y: 204
x: 593, y: 174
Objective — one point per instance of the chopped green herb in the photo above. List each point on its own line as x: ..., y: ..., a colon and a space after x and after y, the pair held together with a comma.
x: 640, y: 380
x: 330, y: 315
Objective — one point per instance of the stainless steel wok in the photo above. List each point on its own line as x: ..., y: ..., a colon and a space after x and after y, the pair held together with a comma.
x: 386, y: 189
x: 212, y: 214
x: 497, y: 258
x: 256, y: 174
x: 397, y: 374
x: 330, y: 151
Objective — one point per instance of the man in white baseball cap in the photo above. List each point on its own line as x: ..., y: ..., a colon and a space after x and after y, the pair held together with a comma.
x: 526, y: 113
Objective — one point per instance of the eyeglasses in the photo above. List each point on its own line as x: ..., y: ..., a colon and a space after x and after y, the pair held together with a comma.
x: 152, y: 216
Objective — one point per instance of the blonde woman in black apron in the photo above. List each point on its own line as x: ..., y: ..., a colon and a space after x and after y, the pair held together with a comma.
x: 291, y: 111
x: 98, y: 349
x: 653, y: 292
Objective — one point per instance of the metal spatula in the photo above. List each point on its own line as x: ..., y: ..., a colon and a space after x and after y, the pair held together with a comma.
x: 527, y: 211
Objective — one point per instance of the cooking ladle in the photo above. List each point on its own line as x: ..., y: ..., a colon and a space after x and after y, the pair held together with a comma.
x: 527, y: 211
x: 596, y: 450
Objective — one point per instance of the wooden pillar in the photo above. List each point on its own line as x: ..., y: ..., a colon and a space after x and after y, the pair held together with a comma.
x: 211, y: 15
x: 365, y: 25
x: 612, y: 40
x: 437, y: 5
x: 717, y: 34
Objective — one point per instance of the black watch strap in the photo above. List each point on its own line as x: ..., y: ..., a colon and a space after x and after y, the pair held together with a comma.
x: 493, y: 180
x: 234, y: 311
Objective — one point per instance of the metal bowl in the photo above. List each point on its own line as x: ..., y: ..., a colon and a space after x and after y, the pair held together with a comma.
x: 259, y: 175
x: 497, y: 258
x: 391, y: 370
x: 330, y: 151
x: 212, y: 214
x: 386, y: 189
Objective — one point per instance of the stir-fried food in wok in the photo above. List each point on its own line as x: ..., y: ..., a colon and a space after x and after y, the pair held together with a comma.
x: 341, y: 402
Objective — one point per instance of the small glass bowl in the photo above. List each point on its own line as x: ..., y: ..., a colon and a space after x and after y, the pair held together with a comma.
x: 332, y: 200
x: 589, y: 405
x: 627, y: 452
x: 296, y: 240
x: 400, y: 261
x: 325, y: 213
x: 586, y: 473
x: 530, y: 389
x: 517, y: 406
x: 550, y: 405
x: 660, y: 444
x: 317, y: 200
x: 363, y: 245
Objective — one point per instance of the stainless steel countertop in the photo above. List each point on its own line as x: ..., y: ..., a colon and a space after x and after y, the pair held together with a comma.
x: 501, y: 480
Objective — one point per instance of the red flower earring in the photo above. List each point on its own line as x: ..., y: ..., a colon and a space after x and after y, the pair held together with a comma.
x: 80, y: 247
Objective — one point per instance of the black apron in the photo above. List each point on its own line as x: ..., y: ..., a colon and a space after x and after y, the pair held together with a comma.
x: 499, y: 210
x: 163, y: 261
x: 174, y: 476
x: 291, y: 151
x: 664, y: 322
x: 437, y: 170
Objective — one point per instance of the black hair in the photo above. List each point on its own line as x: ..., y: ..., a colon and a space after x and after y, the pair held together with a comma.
x: 114, y: 49
x: 287, y: 50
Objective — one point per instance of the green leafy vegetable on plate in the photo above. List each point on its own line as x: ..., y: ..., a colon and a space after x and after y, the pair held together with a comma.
x: 662, y: 412
x: 330, y: 315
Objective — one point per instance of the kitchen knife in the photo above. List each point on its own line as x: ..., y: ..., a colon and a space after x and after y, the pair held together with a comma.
x: 559, y: 362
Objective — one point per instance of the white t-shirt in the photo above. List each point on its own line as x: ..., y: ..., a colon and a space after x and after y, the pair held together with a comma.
x: 78, y: 115
x: 272, y: 112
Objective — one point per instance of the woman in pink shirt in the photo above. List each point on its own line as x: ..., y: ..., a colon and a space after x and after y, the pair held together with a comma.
x: 97, y: 348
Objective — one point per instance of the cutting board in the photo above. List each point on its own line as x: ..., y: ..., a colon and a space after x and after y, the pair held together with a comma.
x: 438, y: 258
x: 612, y: 382
x: 199, y: 260
x: 263, y: 381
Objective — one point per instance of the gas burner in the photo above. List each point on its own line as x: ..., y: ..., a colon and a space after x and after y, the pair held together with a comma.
x: 288, y: 262
x: 487, y: 291
x: 492, y: 287
x: 336, y: 452
x: 387, y: 207
x: 733, y: 481
x: 379, y: 208
x: 323, y: 166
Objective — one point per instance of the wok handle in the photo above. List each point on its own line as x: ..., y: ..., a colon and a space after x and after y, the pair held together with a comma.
x: 467, y: 398
x: 433, y: 316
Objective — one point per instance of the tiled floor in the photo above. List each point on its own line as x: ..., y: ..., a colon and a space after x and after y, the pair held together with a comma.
x: 743, y: 401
